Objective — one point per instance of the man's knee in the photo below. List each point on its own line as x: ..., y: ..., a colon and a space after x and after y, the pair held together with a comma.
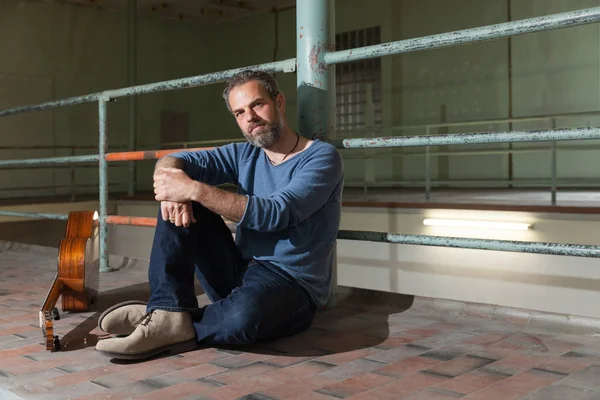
x: 250, y: 323
x: 244, y: 324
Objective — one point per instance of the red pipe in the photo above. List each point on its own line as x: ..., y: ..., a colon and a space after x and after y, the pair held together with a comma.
x: 147, y: 155
x: 126, y: 220
x: 145, y: 221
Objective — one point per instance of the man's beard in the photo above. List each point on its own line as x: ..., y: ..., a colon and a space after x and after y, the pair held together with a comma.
x: 269, y: 136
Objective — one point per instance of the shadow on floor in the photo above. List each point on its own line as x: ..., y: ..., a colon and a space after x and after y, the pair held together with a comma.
x: 81, y: 336
x: 357, y: 321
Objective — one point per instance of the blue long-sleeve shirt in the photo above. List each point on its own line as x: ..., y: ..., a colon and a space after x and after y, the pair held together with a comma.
x: 293, y: 212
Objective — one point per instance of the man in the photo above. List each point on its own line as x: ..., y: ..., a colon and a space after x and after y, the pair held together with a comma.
x: 270, y: 281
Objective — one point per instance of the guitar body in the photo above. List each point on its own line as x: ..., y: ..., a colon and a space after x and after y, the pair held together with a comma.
x: 77, y: 276
x: 78, y: 259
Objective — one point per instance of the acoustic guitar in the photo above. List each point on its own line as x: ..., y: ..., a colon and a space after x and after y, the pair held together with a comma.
x: 77, y: 276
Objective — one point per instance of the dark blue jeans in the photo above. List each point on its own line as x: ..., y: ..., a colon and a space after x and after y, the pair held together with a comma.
x: 251, y: 301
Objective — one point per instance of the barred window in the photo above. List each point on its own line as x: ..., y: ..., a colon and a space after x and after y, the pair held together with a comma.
x: 357, y: 81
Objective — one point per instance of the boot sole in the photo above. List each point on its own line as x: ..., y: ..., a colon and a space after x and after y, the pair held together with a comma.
x: 113, y: 308
x: 171, y: 349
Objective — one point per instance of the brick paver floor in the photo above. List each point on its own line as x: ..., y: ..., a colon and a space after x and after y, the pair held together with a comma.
x: 366, y: 348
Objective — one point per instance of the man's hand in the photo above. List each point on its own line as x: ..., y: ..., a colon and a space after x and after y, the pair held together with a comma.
x: 180, y: 214
x: 173, y: 185
x: 176, y: 190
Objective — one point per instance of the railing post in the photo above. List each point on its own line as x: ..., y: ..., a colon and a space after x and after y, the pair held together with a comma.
x: 369, y: 118
x: 553, y: 172
x: 72, y: 170
x: 315, y: 36
x: 132, y: 78
x: 315, y: 80
x: 553, y: 167
x: 366, y: 176
x: 427, y: 169
x: 103, y: 174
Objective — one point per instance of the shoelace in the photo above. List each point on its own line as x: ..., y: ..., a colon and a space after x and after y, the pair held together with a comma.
x: 146, y: 318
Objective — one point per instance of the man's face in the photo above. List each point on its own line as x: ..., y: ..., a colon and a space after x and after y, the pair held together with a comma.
x: 258, y: 116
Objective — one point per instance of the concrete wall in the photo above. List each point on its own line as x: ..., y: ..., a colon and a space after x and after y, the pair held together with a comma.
x: 56, y: 50
x: 557, y: 72
x: 550, y: 73
x: 558, y: 284
x: 52, y: 51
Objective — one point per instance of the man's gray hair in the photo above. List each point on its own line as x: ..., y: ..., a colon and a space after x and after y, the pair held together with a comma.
x: 266, y: 80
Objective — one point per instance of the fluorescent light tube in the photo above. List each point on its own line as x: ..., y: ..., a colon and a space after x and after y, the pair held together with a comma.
x: 453, y: 223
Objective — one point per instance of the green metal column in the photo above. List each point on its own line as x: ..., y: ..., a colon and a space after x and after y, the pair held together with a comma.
x: 315, y: 79
x: 103, y: 181
x: 132, y: 81
x: 315, y: 36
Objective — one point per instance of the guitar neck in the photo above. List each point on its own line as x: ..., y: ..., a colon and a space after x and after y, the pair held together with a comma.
x: 53, y: 295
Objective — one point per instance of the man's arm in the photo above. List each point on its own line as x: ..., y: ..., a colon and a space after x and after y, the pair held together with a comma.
x: 175, y: 188
x: 306, y: 193
x: 214, y: 167
x: 180, y: 214
x: 169, y: 162
x: 172, y: 184
x: 230, y: 205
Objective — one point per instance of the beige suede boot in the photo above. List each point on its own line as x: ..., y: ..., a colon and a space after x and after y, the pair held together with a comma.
x: 158, y: 332
x: 122, y: 318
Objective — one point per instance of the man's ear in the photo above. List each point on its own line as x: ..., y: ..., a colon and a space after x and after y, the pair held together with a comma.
x: 280, y: 101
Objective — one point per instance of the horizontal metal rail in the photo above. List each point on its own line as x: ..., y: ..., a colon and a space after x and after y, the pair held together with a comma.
x: 398, y: 141
x: 110, y: 157
x: 384, y: 237
x: 202, y: 142
x: 185, y: 144
x: 33, y: 215
x: 543, y: 182
x: 54, y: 187
x: 155, y: 154
x: 288, y: 65
x: 379, y: 129
x: 59, y: 167
x: 146, y: 155
x: 127, y: 220
x: 339, y: 143
x: 469, y: 152
x: 470, y: 138
x: 110, y: 219
x: 54, y: 147
x: 51, y: 160
x: 465, y: 36
x: 147, y: 221
x: 556, y: 249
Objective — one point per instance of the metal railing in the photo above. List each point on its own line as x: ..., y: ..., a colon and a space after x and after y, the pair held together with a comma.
x: 427, y: 182
x: 312, y: 67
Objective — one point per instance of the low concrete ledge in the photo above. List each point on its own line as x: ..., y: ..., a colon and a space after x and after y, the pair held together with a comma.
x: 526, y: 320
x: 522, y: 319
